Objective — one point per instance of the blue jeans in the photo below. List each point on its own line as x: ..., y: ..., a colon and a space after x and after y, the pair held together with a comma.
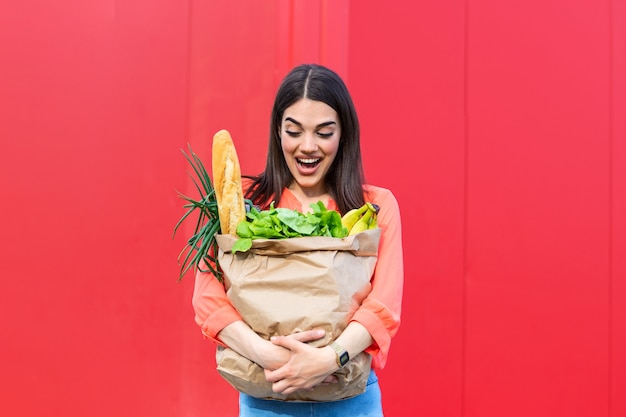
x: 367, y: 404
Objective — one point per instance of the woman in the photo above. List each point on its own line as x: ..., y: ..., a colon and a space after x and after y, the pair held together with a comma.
x: 314, y: 154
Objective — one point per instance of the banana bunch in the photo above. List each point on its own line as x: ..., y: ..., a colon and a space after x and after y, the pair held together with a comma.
x: 361, y: 219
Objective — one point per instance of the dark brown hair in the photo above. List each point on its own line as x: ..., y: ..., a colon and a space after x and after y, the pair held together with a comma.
x: 345, y: 178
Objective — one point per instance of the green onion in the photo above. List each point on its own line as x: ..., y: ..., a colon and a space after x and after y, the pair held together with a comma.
x: 202, y: 242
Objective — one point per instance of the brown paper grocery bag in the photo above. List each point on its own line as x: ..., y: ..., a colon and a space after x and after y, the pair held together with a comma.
x: 282, y: 286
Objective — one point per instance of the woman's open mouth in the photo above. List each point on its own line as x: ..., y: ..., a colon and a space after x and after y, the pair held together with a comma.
x: 308, y: 165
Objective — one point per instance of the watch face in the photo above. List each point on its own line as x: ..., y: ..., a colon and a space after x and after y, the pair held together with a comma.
x: 344, y: 358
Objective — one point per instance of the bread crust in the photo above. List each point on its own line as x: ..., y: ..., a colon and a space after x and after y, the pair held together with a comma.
x: 227, y: 182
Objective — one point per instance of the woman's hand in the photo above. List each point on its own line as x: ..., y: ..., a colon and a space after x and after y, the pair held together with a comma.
x: 272, y: 356
x: 307, y: 366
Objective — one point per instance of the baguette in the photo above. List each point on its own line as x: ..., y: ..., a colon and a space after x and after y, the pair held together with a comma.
x: 227, y: 183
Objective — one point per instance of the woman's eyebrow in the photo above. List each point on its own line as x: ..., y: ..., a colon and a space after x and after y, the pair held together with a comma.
x: 289, y: 119
x: 327, y: 123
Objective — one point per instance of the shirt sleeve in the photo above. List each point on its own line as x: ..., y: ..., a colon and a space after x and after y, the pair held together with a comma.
x: 380, y: 311
x: 213, y: 310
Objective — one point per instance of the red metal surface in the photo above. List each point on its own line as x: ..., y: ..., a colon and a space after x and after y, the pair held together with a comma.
x: 499, y: 127
x: 538, y: 212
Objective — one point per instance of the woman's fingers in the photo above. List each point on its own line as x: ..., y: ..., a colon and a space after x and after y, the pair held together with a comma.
x: 308, y: 335
x: 288, y: 342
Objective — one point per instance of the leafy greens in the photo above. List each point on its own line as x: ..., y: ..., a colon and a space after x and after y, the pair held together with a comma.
x: 282, y: 223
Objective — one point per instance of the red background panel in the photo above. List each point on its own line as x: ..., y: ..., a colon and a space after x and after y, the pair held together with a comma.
x: 538, y: 210
x: 92, y: 107
x: 500, y: 128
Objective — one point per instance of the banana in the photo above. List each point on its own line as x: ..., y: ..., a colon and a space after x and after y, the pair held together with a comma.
x: 362, y: 224
x: 351, y: 217
x: 374, y: 208
x: 373, y: 222
x: 360, y: 219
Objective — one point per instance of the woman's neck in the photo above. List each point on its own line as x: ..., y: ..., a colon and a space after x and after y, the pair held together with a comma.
x: 308, y: 197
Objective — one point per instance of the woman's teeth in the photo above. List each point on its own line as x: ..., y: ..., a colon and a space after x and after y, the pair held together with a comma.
x: 308, y: 161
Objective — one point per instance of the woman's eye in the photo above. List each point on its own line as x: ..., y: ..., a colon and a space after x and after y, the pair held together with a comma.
x: 292, y: 133
x: 325, y: 135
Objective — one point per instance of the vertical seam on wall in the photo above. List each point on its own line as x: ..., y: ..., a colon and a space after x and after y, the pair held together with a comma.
x: 465, y: 205
x: 337, y: 58
x: 188, y: 63
x: 323, y: 28
x: 183, y: 402
x: 283, y: 40
x: 611, y: 209
x: 346, y: 40
x: 187, y: 128
x: 290, y: 42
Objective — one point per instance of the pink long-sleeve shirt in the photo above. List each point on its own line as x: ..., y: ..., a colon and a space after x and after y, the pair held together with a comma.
x: 380, y: 311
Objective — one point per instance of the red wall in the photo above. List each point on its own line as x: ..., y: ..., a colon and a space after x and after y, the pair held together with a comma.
x: 500, y: 127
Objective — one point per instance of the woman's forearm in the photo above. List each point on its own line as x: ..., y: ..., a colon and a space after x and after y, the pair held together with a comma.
x: 242, y: 339
x: 355, y: 338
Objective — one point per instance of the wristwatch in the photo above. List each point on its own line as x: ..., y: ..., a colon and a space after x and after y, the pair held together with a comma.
x: 342, y: 354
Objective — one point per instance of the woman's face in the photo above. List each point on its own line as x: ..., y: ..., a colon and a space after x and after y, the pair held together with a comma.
x: 309, y: 137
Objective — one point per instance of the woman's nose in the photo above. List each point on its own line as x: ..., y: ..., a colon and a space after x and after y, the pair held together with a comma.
x: 309, y: 143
